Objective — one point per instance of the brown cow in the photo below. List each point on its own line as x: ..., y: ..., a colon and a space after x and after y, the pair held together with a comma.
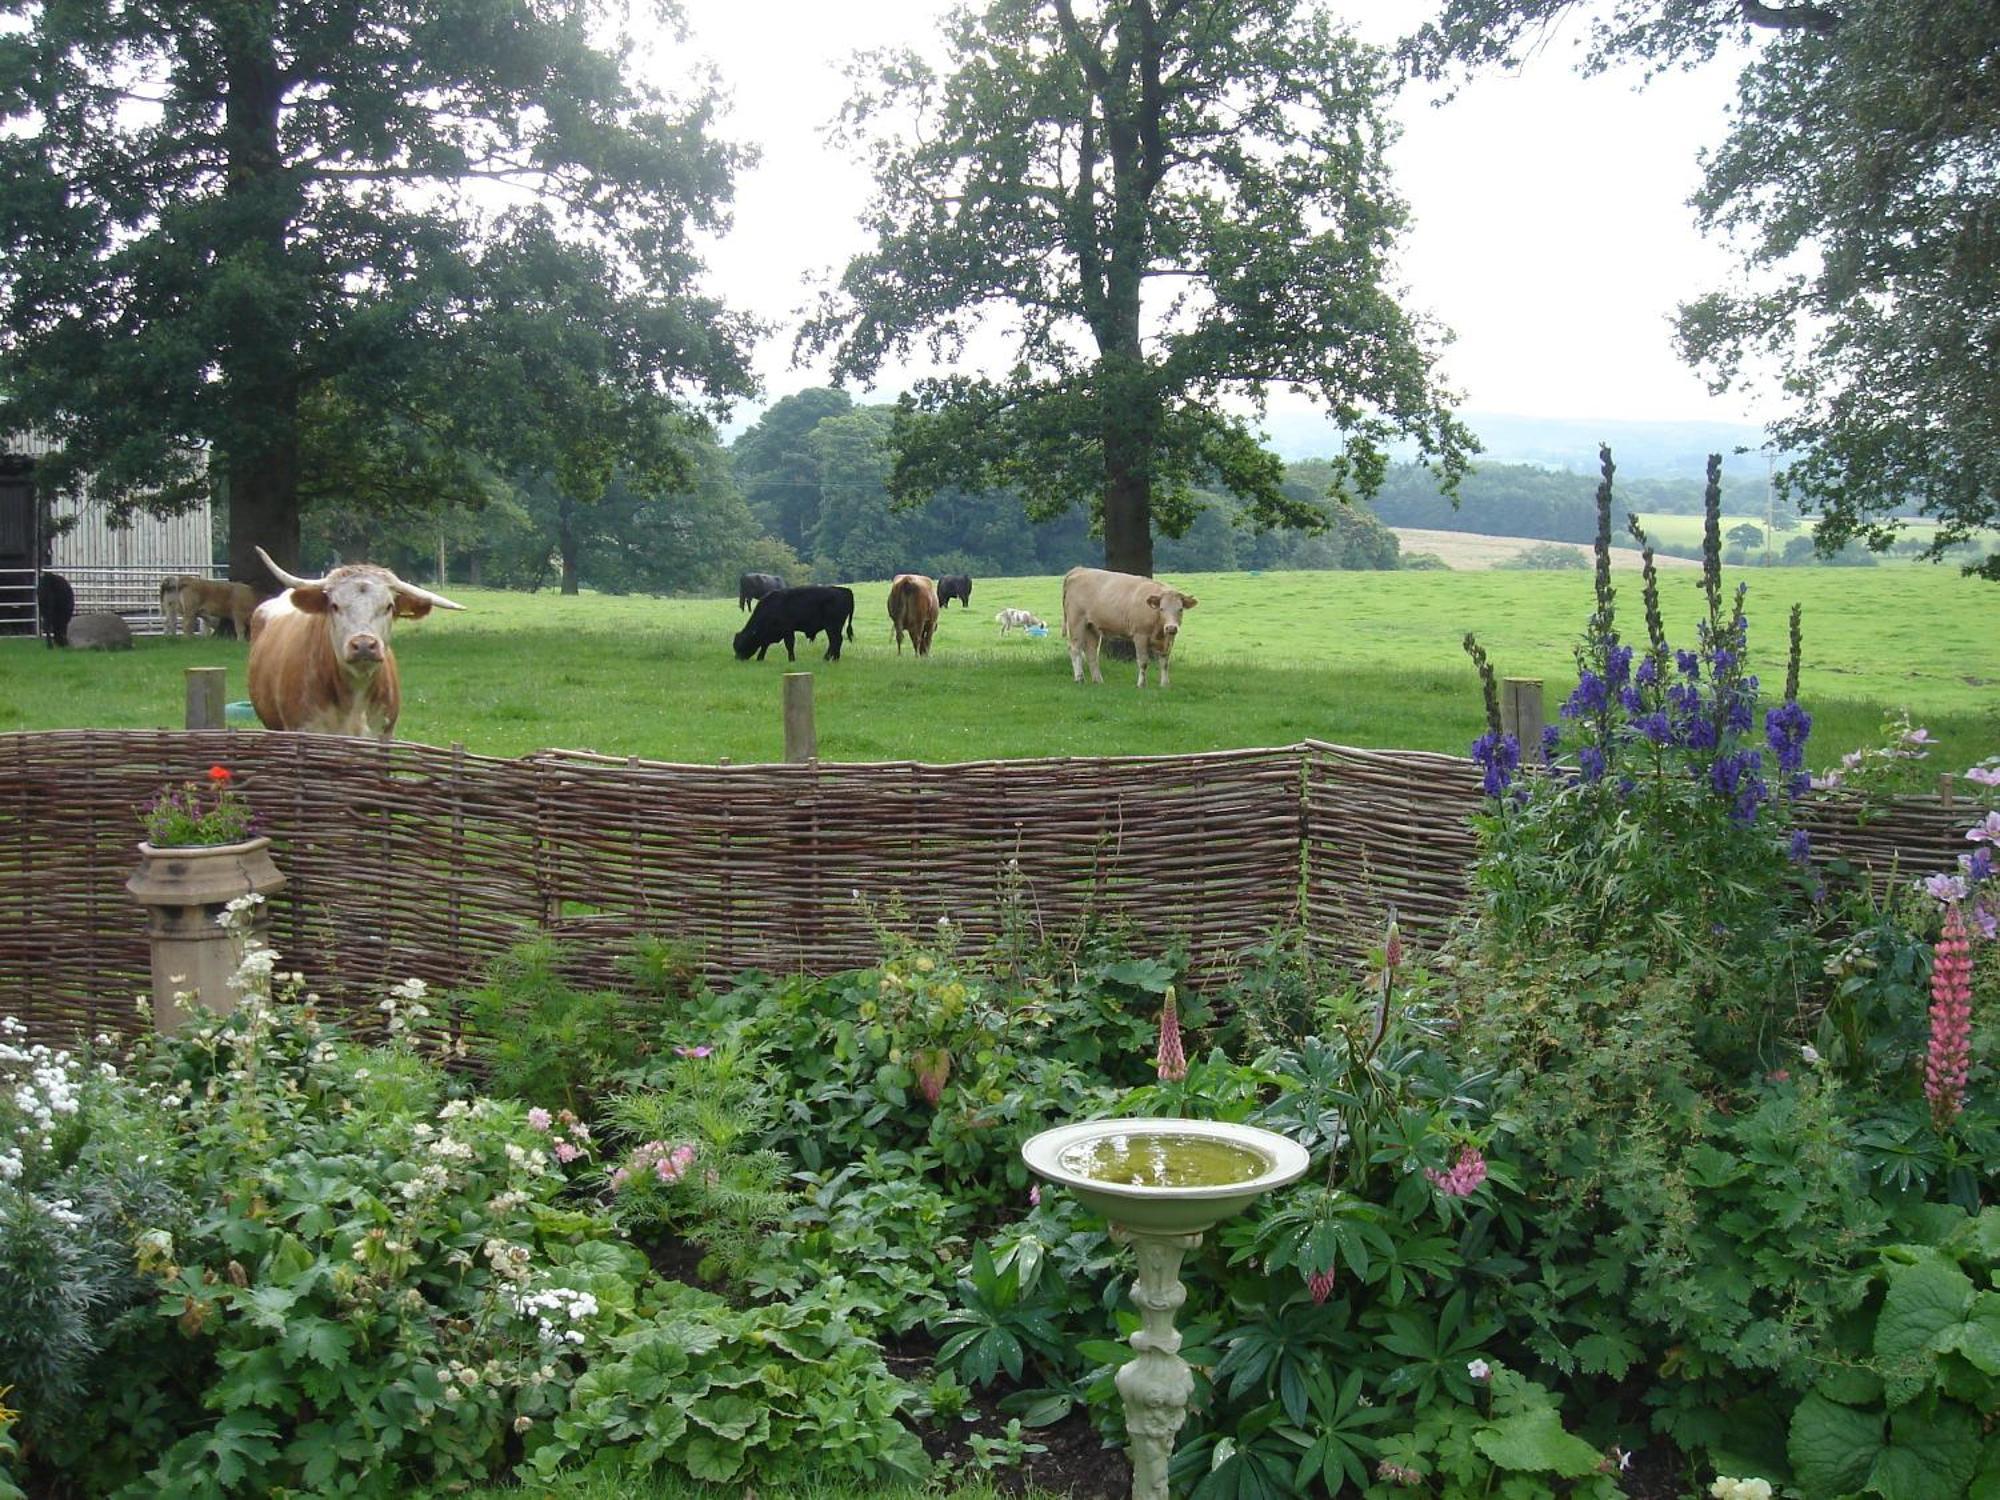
x: 319, y: 652
x: 1097, y: 603
x: 186, y: 600
x: 913, y: 606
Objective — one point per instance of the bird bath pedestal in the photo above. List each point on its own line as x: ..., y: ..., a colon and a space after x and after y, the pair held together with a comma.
x: 1161, y: 1183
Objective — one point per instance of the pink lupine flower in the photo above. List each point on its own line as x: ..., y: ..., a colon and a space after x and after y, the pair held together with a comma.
x: 1392, y: 945
x: 1950, y: 1056
x: 1320, y: 1284
x: 692, y: 1051
x: 933, y: 1072
x: 539, y: 1118
x: 1462, y: 1177
x: 1170, y: 1060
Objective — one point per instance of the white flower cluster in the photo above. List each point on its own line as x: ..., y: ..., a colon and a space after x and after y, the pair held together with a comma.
x: 1726, y: 1488
x: 509, y: 1261
x: 431, y: 1181
x: 534, y: 1163
x: 43, y: 1087
x: 404, y: 1005
x: 551, y: 1307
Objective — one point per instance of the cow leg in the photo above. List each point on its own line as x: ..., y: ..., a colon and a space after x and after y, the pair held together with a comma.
x: 1139, y: 655
x: 1076, y: 653
x: 1165, y: 657
x: 791, y: 651
x: 1093, y: 642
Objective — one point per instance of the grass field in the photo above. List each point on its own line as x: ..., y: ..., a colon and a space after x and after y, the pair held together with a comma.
x: 1369, y: 659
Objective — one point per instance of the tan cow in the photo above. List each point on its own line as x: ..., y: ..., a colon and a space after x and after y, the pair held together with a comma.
x: 319, y: 652
x: 1097, y: 603
x: 913, y: 607
x: 186, y: 600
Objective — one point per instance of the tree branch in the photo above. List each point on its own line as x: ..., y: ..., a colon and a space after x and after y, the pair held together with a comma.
x: 1814, y: 18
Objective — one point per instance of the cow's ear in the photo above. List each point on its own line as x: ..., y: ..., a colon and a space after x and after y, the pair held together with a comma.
x: 309, y: 601
x: 411, y: 609
x: 1188, y: 601
x: 1152, y: 601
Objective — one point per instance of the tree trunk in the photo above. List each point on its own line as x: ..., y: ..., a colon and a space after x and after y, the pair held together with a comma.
x: 258, y: 449
x: 566, y: 543
x: 1128, y: 426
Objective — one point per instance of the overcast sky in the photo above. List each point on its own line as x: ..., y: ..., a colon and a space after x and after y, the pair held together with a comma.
x: 1551, y: 232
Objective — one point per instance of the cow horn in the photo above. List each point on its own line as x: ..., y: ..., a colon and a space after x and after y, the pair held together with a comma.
x: 411, y: 591
x: 288, y: 580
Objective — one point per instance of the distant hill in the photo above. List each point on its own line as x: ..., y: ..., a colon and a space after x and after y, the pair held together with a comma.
x: 1642, y: 450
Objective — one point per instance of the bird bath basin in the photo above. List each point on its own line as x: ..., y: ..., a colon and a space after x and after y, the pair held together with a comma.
x: 1161, y: 1183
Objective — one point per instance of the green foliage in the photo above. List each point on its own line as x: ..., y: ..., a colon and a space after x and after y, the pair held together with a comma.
x: 193, y: 814
x: 545, y: 1039
x: 1084, y: 159
x: 1904, y: 1408
x: 728, y: 1394
x: 1545, y: 558
x: 1508, y: 1442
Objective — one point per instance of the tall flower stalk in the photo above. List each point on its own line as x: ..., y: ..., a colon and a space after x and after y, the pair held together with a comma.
x: 1950, y: 1057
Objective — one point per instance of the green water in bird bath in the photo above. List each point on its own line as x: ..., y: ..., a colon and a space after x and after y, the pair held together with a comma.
x: 1163, y: 1159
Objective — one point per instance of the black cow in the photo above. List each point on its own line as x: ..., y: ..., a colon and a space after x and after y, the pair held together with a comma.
x: 55, y: 602
x: 788, y: 613
x: 753, y: 586
x: 955, y: 586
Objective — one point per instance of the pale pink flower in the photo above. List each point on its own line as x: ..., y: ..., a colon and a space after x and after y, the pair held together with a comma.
x: 1945, y: 888
x: 692, y: 1051
x: 539, y: 1118
x: 1986, y: 831
x: 566, y: 1153
x: 1170, y: 1059
x: 1984, y: 775
x: 1950, y: 1055
x: 620, y: 1177
x: 1035, y: 1196
x: 1463, y: 1177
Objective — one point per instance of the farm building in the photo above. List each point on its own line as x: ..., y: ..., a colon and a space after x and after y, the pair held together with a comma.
x: 112, y: 568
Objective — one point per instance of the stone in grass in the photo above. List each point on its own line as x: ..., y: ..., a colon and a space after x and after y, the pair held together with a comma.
x: 99, y: 632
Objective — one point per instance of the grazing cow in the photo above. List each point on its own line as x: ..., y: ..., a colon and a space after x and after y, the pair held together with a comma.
x: 186, y: 600
x: 753, y: 586
x: 55, y: 603
x: 789, y: 613
x: 954, y: 586
x: 1011, y: 619
x: 1097, y: 603
x: 319, y: 652
x: 913, y: 607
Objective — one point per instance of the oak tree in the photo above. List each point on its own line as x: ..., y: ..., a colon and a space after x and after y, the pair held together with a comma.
x: 1165, y: 204
x: 295, y: 245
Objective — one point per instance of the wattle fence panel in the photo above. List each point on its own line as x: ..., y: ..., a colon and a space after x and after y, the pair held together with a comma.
x: 409, y: 860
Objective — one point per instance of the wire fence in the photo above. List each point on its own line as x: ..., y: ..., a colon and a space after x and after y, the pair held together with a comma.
x: 411, y: 860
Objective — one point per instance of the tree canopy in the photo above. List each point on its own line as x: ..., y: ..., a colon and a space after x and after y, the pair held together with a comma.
x: 369, y: 244
x: 1166, y: 203
x: 1860, y: 177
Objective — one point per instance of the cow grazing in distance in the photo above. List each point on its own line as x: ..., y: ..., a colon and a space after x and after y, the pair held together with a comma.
x: 55, y: 605
x: 753, y: 586
x: 186, y: 600
x: 789, y: 613
x: 913, y: 607
x: 1097, y: 603
x: 1018, y: 619
x: 954, y: 586
x: 319, y: 652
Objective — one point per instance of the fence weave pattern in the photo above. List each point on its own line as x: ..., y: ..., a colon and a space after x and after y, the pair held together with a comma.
x: 408, y: 860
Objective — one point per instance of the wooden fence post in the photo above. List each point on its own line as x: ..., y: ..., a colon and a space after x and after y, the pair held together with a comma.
x: 1521, y: 714
x: 206, y: 689
x: 801, y: 739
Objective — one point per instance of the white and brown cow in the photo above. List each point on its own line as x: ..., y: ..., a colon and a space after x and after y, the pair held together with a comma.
x: 319, y: 652
x: 186, y: 601
x: 1018, y: 619
x: 913, y: 607
x: 1097, y: 603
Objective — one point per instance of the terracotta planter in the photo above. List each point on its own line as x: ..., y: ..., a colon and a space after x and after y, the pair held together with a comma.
x: 184, y: 890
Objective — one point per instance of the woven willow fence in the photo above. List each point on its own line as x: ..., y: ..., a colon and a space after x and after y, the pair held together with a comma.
x: 410, y: 860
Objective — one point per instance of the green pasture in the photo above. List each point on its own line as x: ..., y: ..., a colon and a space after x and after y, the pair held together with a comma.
x: 1370, y: 659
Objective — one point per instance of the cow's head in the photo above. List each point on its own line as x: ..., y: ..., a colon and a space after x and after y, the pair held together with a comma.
x: 743, y: 644
x: 1168, y: 605
x: 360, y: 602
